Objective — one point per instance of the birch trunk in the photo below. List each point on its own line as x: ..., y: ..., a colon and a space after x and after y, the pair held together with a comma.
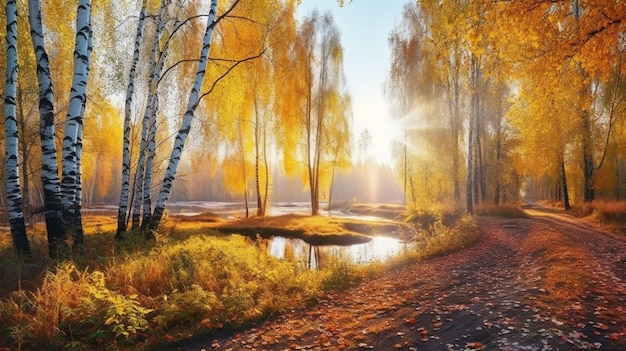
x: 183, y: 132
x: 145, y: 124
x: 147, y: 180
x: 11, y: 164
x: 130, y: 90
x: 71, y: 185
x: 53, y: 206
x: 151, y: 151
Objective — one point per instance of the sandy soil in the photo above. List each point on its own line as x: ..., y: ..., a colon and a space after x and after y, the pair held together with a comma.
x: 549, y: 282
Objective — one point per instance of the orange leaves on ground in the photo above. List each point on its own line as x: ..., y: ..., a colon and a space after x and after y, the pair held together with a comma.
x: 423, y: 334
x: 477, y: 345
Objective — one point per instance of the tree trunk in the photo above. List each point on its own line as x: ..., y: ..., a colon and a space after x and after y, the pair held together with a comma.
x: 587, y: 142
x: 456, y: 126
x: 617, y: 176
x: 244, y: 174
x: 267, y: 169
x: 71, y: 191
x: 413, y: 195
x: 564, y: 183
x: 183, y: 132
x: 330, y: 190
x: 498, y: 164
x: 25, y: 155
x: 404, y: 149
x: 260, y: 210
x: 145, y: 123
x: 53, y: 206
x: 147, y: 179
x: 11, y: 164
x: 588, y: 164
x: 130, y: 89
x: 471, y: 132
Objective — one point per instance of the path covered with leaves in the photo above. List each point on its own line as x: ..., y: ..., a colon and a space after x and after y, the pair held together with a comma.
x: 549, y: 282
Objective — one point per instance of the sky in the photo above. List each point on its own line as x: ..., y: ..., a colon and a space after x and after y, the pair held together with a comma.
x: 365, y: 27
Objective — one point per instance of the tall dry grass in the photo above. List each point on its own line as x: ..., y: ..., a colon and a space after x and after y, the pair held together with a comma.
x: 609, y: 212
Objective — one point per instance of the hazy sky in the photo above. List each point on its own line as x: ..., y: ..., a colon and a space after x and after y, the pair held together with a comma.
x: 365, y: 26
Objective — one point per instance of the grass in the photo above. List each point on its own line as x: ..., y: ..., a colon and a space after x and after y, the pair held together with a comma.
x: 133, y: 294
x: 315, y: 230
x: 612, y: 213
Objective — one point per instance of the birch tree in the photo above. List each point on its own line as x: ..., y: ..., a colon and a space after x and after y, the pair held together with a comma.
x: 53, y: 205
x: 14, y: 196
x: 156, y: 63
x: 130, y: 90
x: 62, y: 210
x: 318, y: 59
x: 183, y: 132
x: 71, y: 183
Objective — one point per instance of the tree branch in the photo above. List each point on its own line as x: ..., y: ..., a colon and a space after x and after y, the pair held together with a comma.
x: 174, y: 66
x: 230, y: 69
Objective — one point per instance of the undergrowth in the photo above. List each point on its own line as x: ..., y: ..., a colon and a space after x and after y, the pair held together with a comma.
x: 132, y: 294
x: 612, y: 213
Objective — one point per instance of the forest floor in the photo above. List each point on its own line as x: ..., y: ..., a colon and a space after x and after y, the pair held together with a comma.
x: 548, y: 282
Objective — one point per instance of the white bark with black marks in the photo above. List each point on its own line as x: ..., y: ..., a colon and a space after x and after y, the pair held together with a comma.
x: 53, y: 206
x: 145, y: 124
x: 11, y: 164
x: 183, y: 132
x: 130, y: 90
x: 72, y: 141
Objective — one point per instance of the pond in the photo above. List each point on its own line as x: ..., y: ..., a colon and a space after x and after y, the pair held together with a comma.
x: 380, y: 248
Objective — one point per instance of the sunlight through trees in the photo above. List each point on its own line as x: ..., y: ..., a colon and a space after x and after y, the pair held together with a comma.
x: 492, y: 100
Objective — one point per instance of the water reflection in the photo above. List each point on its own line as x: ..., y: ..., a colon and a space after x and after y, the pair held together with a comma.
x: 380, y: 248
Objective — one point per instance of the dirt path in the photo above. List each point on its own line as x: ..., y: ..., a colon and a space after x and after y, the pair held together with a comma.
x: 545, y: 283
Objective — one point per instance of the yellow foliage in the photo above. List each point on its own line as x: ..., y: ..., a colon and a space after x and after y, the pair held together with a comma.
x: 102, y: 150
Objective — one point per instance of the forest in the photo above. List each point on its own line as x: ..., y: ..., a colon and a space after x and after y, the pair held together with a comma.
x: 137, y: 107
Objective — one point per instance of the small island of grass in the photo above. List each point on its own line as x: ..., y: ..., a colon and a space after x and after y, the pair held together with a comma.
x: 314, y: 230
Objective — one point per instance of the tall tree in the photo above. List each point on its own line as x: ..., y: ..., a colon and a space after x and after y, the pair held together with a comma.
x: 130, y: 91
x: 553, y: 40
x: 53, y: 205
x: 62, y: 209
x: 11, y: 166
x: 429, y: 61
x: 183, y: 132
x: 142, y: 195
x: 71, y: 183
x: 319, y: 57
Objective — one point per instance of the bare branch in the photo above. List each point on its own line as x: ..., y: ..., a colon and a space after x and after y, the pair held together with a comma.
x: 230, y: 69
x: 174, y: 66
